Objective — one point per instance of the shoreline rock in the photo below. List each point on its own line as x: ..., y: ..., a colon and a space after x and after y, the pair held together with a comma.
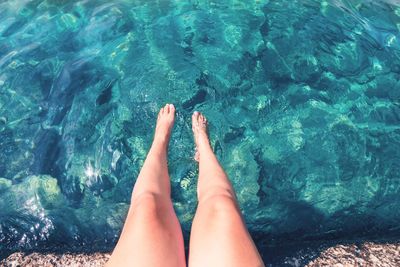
x: 20, y: 259
x: 365, y: 254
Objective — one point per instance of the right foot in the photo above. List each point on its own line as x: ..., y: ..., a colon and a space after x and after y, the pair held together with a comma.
x: 165, y: 122
x: 199, y: 127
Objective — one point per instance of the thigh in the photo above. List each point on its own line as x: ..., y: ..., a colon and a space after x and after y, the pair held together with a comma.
x: 151, y: 237
x: 220, y: 238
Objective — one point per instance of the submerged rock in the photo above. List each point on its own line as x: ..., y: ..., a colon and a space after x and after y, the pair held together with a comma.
x: 4, y: 184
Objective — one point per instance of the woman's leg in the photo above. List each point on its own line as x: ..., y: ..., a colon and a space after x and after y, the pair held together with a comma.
x: 152, y: 235
x: 219, y: 236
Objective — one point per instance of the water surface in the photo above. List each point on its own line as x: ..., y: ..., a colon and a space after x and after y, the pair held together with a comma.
x: 302, y: 99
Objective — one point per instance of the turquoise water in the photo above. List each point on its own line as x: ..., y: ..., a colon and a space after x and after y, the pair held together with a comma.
x: 302, y: 99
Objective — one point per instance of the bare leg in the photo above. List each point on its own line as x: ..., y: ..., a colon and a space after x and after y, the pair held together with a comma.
x: 152, y: 235
x: 219, y: 236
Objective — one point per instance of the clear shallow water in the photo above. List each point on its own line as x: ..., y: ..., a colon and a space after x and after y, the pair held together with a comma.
x: 302, y: 97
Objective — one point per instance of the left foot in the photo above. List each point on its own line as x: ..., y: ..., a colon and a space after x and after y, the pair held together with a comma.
x: 165, y: 122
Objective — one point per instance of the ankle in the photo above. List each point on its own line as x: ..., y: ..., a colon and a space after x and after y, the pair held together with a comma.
x: 160, y: 144
x: 205, y: 150
x: 203, y: 144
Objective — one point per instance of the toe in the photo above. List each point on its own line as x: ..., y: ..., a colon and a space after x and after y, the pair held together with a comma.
x: 195, y: 118
x: 172, y: 108
x: 202, y: 119
x: 166, y: 109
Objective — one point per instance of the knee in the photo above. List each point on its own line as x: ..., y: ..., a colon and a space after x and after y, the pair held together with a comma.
x: 222, y: 201
x: 147, y: 204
